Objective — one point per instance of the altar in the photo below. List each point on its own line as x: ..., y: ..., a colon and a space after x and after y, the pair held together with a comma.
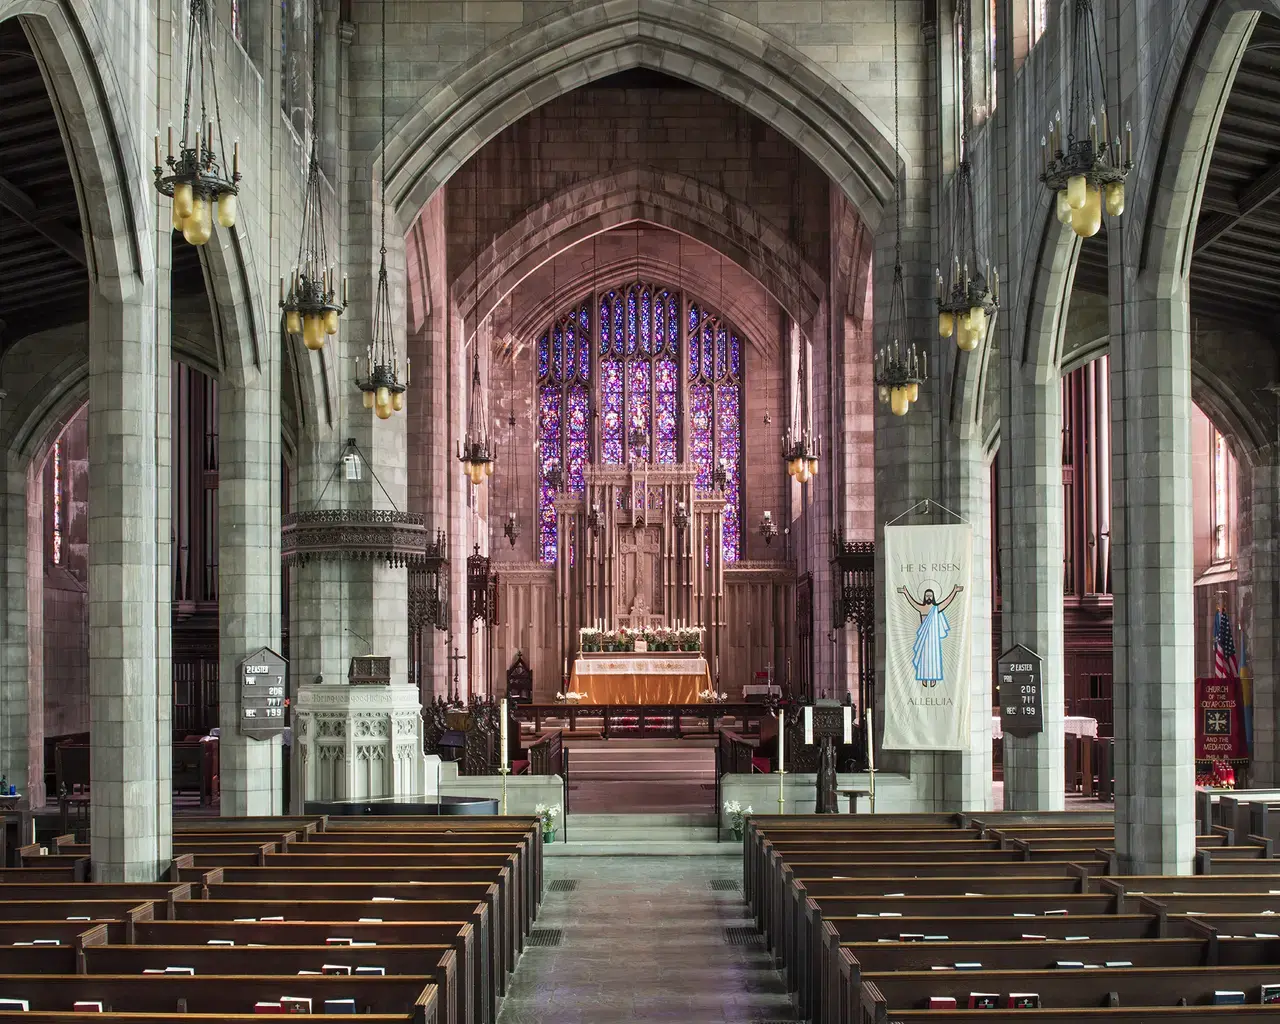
x: 624, y: 677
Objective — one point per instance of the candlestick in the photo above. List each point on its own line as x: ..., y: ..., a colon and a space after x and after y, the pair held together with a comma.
x: 157, y: 151
x: 848, y: 724
x: 871, y: 741
x: 170, y: 142
x: 808, y: 724
x: 782, y: 771
x: 503, y: 735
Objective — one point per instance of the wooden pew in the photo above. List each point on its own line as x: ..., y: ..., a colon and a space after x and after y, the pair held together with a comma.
x: 127, y: 912
x: 163, y: 894
x: 408, y: 997
x: 438, y: 963
x: 475, y: 994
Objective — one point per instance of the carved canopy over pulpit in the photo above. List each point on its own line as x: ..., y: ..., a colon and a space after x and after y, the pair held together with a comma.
x: 640, y: 547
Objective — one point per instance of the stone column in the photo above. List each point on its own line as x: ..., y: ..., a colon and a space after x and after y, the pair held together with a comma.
x: 128, y: 454
x: 1263, y: 637
x: 1154, y: 659
x: 249, y: 577
x: 1031, y: 547
x: 21, y: 692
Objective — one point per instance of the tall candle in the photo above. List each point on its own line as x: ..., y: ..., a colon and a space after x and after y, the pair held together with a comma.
x: 871, y: 742
x: 848, y: 724
x: 782, y: 740
x: 503, y: 735
x: 808, y: 724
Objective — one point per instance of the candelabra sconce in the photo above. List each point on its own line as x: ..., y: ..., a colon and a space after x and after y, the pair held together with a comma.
x: 899, y: 374
x: 680, y: 517
x: 511, y: 529
x: 768, y: 529
x: 594, y: 520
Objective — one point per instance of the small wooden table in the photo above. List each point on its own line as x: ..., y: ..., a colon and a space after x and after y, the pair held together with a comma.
x: 853, y: 795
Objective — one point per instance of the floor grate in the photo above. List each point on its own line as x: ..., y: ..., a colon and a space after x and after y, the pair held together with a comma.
x: 725, y: 885
x: 545, y: 937
x: 742, y: 936
x: 564, y: 885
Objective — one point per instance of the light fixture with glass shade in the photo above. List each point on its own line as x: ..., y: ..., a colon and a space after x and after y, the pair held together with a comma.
x: 476, y: 452
x: 1082, y: 163
x: 800, y: 448
x: 969, y: 291
x: 194, y: 173
x: 310, y: 300
x: 382, y: 387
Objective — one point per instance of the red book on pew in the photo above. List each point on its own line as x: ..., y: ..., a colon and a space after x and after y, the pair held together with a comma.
x: 984, y: 1000
x: 1024, y: 1000
x: 86, y: 1006
x: 942, y: 1002
x: 268, y: 1008
x: 295, y: 1004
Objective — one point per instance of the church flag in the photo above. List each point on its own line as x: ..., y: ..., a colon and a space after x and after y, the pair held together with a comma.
x: 928, y: 637
x: 1220, y: 734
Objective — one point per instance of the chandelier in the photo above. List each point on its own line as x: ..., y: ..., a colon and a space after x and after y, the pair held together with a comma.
x: 899, y: 368
x: 194, y: 174
x: 1082, y: 163
x: 311, y: 307
x: 383, y: 390
x: 800, y: 449
x: 969, y: 296
x: 511, y: 529
x: 475, y: 452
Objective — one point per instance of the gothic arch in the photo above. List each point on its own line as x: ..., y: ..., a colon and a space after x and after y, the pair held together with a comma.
x: 587, y: 41
x: 111, y: 188
x: 645, y: 195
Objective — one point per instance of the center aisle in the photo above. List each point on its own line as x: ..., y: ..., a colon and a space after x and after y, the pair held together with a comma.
x: 645, y: 938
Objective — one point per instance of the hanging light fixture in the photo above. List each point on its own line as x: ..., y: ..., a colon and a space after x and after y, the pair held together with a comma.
x: 511, y: 528
x: 768, y: 529
x: 899, y: 368
x: 310, y: 304
x: 800, y: 449
x: 382, y: 387
x: 680, y: 517
x: 475, y: 452
x: 970, y: 294
x: 1081, y: 162
x: 194, y: 174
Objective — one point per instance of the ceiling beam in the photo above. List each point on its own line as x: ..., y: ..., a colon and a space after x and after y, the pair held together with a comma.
x: 1259, y: 192
x: 20, y: 205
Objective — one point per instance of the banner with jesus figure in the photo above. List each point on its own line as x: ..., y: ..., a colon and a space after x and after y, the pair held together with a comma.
x: 928, y: 637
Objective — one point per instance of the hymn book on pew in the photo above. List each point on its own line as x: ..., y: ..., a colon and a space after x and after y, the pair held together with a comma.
x: 11, y: 1005
x: 1270, y: 994
x: 1024, y: 1000
x: 984, y: 1000
x: 86, y: 1006
x: 1228, y: 997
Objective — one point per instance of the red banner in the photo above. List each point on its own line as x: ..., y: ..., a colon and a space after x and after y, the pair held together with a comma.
x: 1220, y: 734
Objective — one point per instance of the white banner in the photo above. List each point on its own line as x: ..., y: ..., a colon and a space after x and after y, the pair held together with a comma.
x: 928, y: 637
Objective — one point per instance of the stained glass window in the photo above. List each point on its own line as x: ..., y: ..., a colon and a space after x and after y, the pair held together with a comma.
x: 237, y: 20
x: 638, y: 399
x: 1221, y: 498
x: 1037, y: 18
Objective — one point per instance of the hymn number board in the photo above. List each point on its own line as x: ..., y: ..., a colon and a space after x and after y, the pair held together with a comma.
x: 263, y: 694
x: 1021, y: 700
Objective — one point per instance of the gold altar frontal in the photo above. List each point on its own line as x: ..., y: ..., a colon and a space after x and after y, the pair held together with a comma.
x: 658, y: 677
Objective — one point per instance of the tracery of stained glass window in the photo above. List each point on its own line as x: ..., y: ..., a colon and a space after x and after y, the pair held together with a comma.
x: 715, y: 415
x: 564, y: 416
x: 638, y: 397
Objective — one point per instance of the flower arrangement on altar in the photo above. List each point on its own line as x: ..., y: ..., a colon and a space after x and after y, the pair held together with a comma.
x: 655, y: 638
x: 570, y: 697
x: 547, y: 814
x: 1221, y: 775
x: 589, y: 638
x: 737, y: 817
x: 711, y: 697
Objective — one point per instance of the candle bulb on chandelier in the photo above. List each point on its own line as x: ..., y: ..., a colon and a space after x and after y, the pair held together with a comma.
x: 170, y: 142
x: 157, y: 152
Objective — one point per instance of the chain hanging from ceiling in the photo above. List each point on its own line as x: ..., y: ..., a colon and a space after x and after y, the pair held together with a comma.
x: 310, y: 302
x: 194, y: 174
x: 969, y: 292
x: 1082, y: 163
x: 383, y: 390
x: 899, y: 368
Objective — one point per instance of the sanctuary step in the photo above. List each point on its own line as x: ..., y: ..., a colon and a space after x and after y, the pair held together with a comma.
x: 623, y: 761
x: 665, y: 835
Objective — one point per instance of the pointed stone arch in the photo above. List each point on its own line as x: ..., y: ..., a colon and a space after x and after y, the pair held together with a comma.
x: 587, y: 41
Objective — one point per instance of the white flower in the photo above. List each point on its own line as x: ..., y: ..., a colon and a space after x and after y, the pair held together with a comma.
x: 747, y: 811
x: 732, y: 807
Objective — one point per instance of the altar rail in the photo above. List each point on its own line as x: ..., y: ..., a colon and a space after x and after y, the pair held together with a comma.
x: 617, y: 721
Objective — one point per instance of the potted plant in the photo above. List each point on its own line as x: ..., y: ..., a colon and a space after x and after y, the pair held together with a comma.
x: 737, y: 815
x: 591, y: 639
x: 548, y: 814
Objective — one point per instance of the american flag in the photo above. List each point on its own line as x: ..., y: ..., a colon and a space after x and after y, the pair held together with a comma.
x: 1224, y: 648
